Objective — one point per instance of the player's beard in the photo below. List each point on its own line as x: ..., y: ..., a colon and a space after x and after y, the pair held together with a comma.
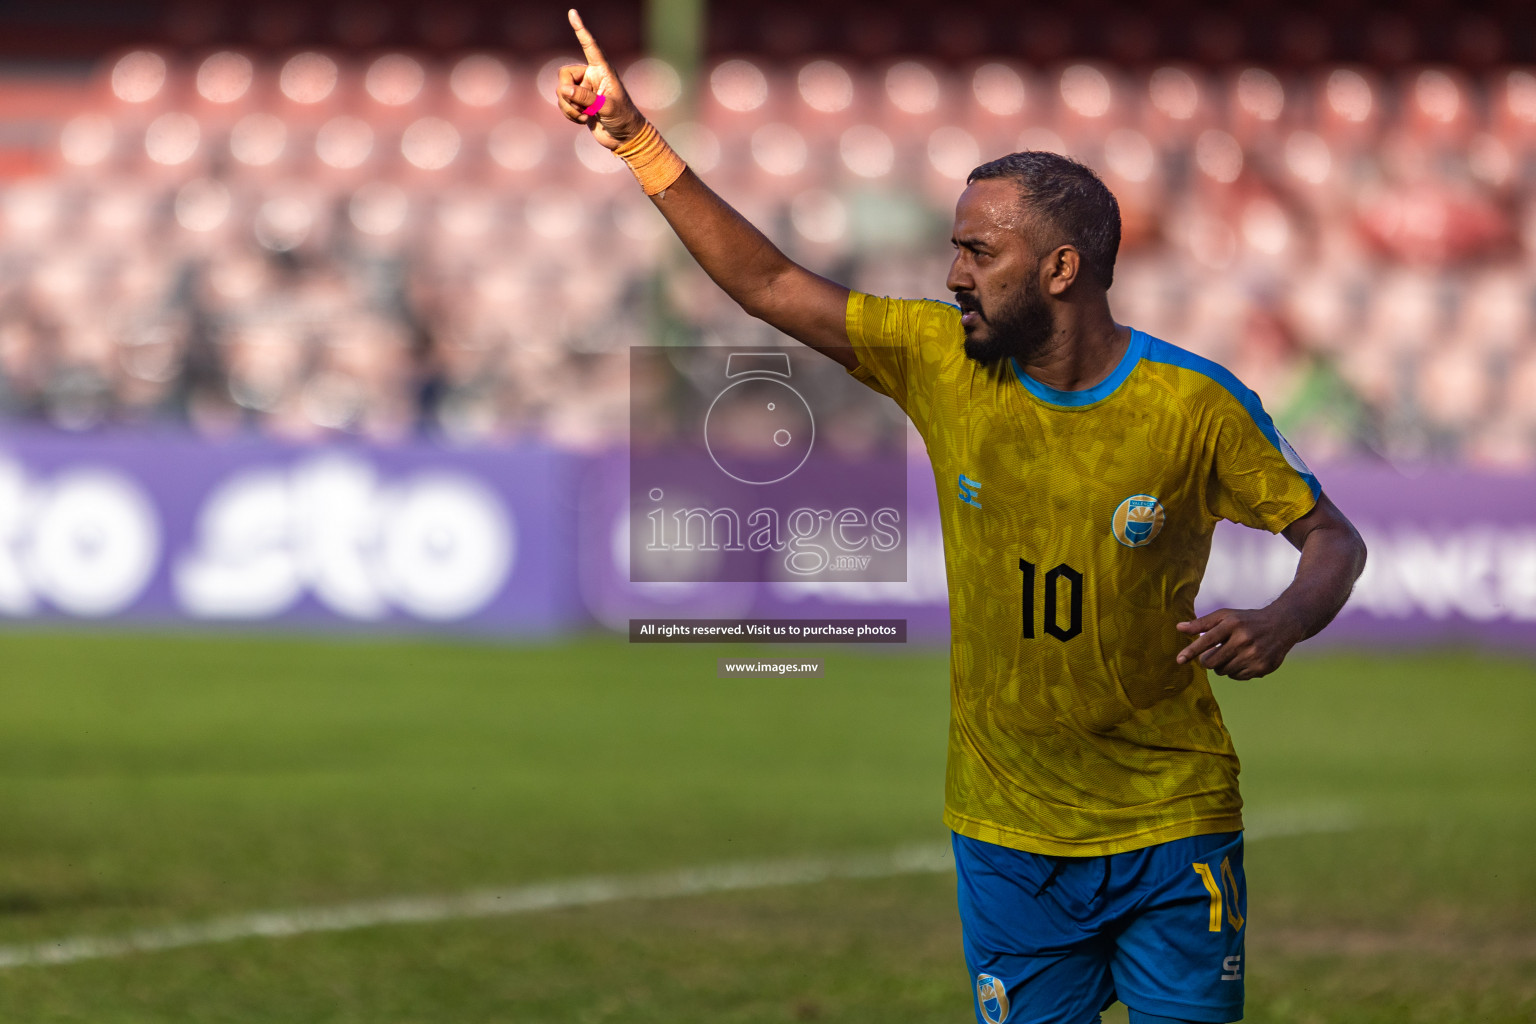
x: 1020, y: 329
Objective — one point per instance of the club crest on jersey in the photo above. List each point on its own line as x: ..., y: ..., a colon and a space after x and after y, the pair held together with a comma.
x: 992, y: 997
x: 1138, y: 521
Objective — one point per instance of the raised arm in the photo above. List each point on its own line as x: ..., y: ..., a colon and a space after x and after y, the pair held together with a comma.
x: 740, y: 258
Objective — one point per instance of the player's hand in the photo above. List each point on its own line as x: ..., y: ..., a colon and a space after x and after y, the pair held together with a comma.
x: 581, y: 84
x: 1240, y: 644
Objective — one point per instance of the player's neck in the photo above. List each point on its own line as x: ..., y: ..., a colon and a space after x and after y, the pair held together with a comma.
x: 1084, y: 350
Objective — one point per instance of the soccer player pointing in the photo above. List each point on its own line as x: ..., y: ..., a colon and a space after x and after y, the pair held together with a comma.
x: 1082, y: 465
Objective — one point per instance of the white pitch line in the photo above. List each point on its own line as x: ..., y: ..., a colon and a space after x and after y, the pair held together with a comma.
x: 928, y: 858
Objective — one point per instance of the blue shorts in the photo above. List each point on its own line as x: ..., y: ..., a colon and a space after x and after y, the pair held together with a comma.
x: 1055, y: 940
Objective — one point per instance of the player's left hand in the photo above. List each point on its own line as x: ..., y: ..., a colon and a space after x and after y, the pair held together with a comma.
x: 580, y: 84
x: 1241, y: 644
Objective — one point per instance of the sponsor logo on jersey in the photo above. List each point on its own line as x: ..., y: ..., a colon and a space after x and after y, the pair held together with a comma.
x: 1138, y: 521
x: 968, y: 489
x: 992, y: 997
x: 1291, y: 458
x: 1232, y: 968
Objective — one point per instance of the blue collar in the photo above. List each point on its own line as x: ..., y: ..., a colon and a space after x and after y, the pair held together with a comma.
x: 1103, y: 389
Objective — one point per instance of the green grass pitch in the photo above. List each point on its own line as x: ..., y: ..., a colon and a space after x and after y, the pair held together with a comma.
x: 148, y: 781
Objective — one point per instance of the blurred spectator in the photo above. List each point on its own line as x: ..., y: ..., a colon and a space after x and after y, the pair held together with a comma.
x: 391, y: 244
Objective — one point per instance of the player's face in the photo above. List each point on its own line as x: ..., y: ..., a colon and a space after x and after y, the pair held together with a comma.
x: 996, y: 276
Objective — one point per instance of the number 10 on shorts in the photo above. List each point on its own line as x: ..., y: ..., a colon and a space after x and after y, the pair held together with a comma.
x: 1215, y: 887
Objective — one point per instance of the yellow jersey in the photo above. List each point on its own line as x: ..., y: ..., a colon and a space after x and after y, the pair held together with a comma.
x: 1077, y: 525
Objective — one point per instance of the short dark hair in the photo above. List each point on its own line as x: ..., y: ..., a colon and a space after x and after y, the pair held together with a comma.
x: 1071, y: 197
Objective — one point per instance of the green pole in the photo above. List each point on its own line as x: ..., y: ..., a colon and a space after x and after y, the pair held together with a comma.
x: 674, y: 32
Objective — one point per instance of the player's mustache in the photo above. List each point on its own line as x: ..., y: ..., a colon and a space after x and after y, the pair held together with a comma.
x: 968, y: 304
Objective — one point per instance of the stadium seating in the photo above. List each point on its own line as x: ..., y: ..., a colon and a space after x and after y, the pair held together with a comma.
x: 390, y: 243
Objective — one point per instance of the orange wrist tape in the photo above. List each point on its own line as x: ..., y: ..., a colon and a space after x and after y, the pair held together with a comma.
x: 654, y: 163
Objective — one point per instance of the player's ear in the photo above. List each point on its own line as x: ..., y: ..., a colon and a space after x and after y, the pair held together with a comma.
x: 1064, y: 265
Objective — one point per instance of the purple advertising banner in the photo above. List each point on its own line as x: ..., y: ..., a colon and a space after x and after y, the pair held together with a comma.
x: 529, y: 539
x: 175, y: 529
x: 1452, y: 560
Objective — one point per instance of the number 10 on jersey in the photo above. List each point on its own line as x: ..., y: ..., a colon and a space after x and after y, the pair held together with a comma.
x: 1051, y: 600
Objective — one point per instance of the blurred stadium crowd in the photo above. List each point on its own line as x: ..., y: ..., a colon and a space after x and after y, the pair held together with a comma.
x: 325, y: 241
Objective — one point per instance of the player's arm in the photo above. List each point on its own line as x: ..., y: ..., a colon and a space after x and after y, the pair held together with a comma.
x: 1250, y: 643
x: 740, y: 258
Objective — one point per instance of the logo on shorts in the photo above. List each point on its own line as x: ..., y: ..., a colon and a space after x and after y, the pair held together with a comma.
x: 992, y: 997
x: 1138, y: 520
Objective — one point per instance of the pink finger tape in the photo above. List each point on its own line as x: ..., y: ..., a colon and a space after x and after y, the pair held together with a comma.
x: 597, y: 105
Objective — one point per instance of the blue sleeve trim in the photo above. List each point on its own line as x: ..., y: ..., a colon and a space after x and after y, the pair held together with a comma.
x: 1102, y: 390
x: 1159, y: 351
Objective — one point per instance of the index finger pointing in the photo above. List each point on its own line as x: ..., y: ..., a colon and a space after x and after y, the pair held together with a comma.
x: 588, y: 44
x: 1204, y: 642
